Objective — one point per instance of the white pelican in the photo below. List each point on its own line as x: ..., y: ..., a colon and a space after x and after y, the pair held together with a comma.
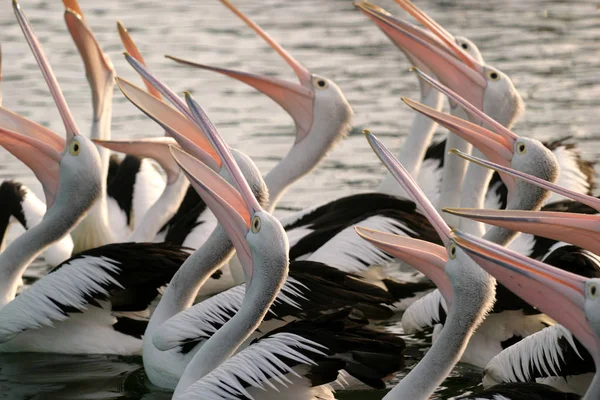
x: 135, y: 184
x: 469, y: 290
x: 569, y: 298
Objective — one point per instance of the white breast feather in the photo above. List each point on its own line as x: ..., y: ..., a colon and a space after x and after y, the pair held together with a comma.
x: 258, y: 365
x: 200, y: 320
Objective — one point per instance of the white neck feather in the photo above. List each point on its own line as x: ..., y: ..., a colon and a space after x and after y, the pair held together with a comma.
x: 593, y: 391
x: 475, y: 188
x: 161, y: 211
x: 329, y: 127
x: 56, y: 223
x: 415, y: 145
x: 454, y: 172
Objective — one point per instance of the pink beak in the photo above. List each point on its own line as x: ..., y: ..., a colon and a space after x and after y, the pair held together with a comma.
x: 296, y: 99
x: 454, y: 67
x: 558, y: 293
x: 579, y: 229
x: 233, y: 208
x: 427, y: 257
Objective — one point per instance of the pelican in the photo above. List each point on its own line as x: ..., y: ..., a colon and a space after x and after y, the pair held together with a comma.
x: 469, y: 290
x: 569, y: 298
x: 575, y: 173
x: 136, y: 184
x: 66, y: 310
x: 563, y: 354
x: 511, y: 319
x: 191, y: 330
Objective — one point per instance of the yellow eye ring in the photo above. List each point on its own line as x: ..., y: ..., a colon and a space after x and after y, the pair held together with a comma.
x: 320, y: 83
x: 521, y: 148
x: 255, y: 224
x: 493, y: 75
x: 592, y: 291
x: 74, y: 148
x: 452, y: 251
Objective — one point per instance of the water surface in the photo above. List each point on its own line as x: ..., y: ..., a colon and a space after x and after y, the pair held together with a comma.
x: 549, y: 48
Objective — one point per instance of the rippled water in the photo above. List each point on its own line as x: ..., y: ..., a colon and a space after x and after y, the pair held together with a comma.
x: 549, y: 48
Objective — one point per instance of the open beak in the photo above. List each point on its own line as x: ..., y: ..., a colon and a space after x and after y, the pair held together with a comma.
x: 497, y: 144
x: 409, y: 186
x: 98, y: 67
x: 132, y: 49
x: 443, y: 57
x: 296, y: 99
x: 234, y: 208
x: 155, y: 148
x: 185, y: 132
x: 44, y: 65
x: 558, y: 293
x: 429, y: 258
x: 582, y: 230
x: 39, y: 148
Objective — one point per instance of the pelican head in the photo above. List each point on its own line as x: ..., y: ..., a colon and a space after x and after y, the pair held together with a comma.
x: 572, y: 300
x: 499, y: 144
x: 317, y: 105
x: 486, y: 87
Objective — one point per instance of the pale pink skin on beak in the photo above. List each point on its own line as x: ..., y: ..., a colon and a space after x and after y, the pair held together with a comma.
x: 42, y: 158
x: 132, y: 49
x: 187, y: 134
x: 207, y: 126
x: 224, y: 201
x: 410, y: 186
x: 447, y: 61
x: 388, y: 25
x: 579, y: 229
x: 296, y: 99
x: 99, y: 69
x: 154, y: 148
x: 426, y: 257
x: 40, y: 57
x: 557, y: 293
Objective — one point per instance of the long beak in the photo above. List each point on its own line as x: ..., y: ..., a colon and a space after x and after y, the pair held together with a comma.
x: 132, y: 49
x: 98, y: 67
x: 429, y: 258
x: 185, y: 132
x: 410, y: 186
x: 558, y: 293
x: 296, y: 99
x: 207, y: 126
x: 447, y: 61
x: 582, y: 230
x: 233, y: 208
x: 40, y: 57
x: 154, y: 148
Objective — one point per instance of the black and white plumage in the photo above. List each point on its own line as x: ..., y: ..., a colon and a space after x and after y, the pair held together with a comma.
x: 20, y: 204
x: 521, y: 391
x: 83, y: 292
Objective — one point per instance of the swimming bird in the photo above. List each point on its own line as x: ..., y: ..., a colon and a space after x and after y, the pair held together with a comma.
x: 469, y: 290
x: 567, y: 297
x: 135, y: 184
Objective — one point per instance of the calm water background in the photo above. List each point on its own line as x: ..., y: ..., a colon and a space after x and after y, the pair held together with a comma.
x: 549, y: 48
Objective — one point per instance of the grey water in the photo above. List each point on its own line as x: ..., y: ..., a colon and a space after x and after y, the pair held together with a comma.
x: 549, y: 49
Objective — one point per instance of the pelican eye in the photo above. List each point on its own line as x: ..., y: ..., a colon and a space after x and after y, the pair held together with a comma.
x: 493, y: 75
x: 255, y: 225
x: 321, y: 83
x: 592, y: 290
x: 465, y: 46
x: 452, y: 251
x: 74, y: 148
x: 521, y: 148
